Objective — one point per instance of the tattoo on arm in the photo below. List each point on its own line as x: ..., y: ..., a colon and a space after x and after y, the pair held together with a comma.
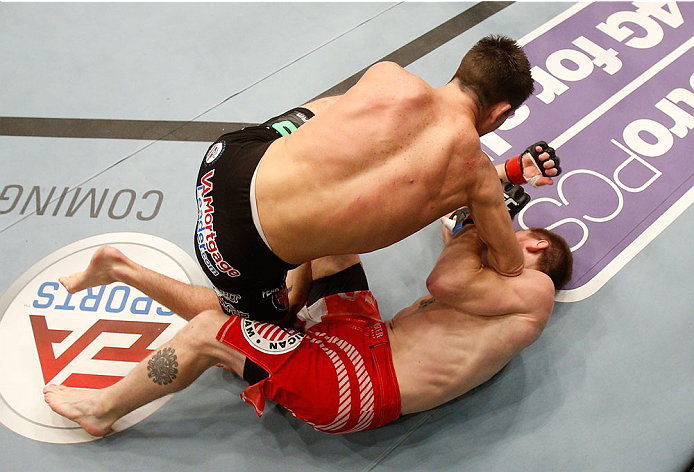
x: 163, y: 366
x: 427, y: 302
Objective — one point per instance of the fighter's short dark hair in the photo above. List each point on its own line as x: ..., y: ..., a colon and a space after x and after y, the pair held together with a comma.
x: 557, y: 260
x: 495, y: 70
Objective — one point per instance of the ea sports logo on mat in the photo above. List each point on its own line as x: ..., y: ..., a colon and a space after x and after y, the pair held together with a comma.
x: 89, y: 340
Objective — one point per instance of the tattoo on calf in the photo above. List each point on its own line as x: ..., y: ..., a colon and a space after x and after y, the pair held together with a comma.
x: 427, y: 302
x: 163, y: 366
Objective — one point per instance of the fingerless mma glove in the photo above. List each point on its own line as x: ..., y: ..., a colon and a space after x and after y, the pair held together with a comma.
x: 515, y: 199
x: 514, y: 166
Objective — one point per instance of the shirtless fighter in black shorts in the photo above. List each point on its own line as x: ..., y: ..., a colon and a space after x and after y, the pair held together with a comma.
x: 232, y: 250
x: 354, y: 173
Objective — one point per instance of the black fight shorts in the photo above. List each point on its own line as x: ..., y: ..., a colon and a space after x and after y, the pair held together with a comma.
x: 249, y: 279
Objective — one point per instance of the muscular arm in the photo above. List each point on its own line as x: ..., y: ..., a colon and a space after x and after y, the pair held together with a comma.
x: 460, y: 279
x: 494, y: 224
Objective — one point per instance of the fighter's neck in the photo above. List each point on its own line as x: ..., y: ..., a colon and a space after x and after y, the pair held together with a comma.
x: 459, y: 100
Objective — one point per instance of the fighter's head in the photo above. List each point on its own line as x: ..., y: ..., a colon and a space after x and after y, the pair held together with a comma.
x: 547, y: 252
x: 496, y: 73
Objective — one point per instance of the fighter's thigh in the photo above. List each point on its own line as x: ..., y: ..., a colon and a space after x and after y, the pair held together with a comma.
x: 331, y: 265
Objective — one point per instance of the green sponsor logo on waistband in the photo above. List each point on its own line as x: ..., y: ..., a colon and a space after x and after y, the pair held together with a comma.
x: 284, y: 127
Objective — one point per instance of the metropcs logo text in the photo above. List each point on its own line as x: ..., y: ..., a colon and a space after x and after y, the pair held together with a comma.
x: 88, y: 340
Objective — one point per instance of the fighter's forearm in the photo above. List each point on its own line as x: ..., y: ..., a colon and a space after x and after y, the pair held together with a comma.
x: 504, y: 254
x: 496, y: 231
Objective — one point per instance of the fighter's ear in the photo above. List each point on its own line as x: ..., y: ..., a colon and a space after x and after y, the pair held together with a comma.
x: 539, y: 245
x: 498, y: 110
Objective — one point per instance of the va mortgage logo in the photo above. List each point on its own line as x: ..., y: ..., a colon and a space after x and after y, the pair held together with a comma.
x: 87, y: 340
x: 614, y: 94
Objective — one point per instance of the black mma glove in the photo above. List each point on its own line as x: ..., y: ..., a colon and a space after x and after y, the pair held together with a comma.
x: 514, y: 166
x: 515, y: 199
x: 460, y: 218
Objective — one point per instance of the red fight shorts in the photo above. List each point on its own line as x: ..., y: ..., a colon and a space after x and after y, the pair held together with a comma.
x: 338, y: 376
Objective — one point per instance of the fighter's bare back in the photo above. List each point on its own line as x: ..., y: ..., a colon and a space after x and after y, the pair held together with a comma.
x: 389, y: 157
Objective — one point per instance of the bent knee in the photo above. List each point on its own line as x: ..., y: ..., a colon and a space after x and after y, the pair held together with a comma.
x: 201, y: 331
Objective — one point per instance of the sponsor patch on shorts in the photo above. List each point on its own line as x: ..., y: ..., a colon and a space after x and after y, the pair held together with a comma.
x: 270, y: 338
x: 214, y: 152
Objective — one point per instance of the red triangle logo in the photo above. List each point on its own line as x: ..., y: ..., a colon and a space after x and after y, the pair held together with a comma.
x: 51, y: 365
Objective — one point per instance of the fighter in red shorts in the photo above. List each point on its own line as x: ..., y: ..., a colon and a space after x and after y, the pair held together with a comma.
x: 350, y: 385
x: 349, y: 371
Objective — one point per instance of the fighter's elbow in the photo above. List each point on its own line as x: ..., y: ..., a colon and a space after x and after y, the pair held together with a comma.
x: 441, y: 288
x: 512, y: 271
x: 433, y: 284
x: 509, y: 266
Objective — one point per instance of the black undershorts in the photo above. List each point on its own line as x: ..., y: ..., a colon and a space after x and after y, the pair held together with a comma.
x: 249, y: 279
x: 352, y: 279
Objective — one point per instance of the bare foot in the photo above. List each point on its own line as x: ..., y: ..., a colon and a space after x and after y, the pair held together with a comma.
x: 101, y: 270
x: 80, y: 406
